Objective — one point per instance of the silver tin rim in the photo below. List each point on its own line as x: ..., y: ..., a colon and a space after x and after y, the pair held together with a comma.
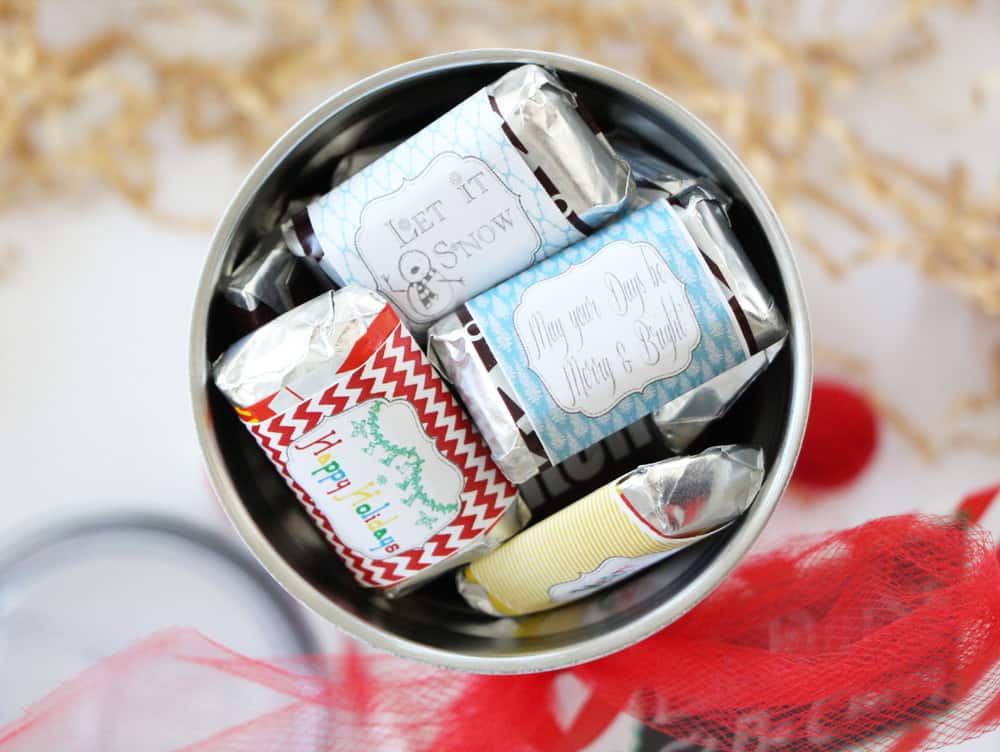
x: 701, y: 585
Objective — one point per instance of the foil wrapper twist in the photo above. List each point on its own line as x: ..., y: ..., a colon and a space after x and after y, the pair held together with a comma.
x: 363, y: 430
x: 270, y: 281
x: 510, y: 176
x: 659, y: 313
x: 655, y: 176
x: 354, y: 162
x: 620, y: 529
x: 261, y: 285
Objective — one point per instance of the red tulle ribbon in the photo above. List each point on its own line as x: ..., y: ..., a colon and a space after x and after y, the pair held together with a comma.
x: 881, y: 637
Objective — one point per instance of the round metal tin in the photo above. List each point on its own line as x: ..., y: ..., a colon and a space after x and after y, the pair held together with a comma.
x: 433, y: 625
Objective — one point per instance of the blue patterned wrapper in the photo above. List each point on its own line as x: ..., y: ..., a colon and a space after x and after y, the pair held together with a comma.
x: 593, y: 339
x: 510, y: 176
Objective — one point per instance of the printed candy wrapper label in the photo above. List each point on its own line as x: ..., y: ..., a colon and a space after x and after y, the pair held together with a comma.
x: 610, y: 329
x: 628, y: 323
x: 609, y: 572
x: 440, y: 218
x: 444, y: 236
x: 378, y: 477
x: 388, y: 432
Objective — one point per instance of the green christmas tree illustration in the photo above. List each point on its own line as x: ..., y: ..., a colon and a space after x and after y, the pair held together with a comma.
x: 404, y: 460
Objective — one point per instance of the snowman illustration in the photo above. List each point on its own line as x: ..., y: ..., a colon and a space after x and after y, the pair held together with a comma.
x: 427, y: 291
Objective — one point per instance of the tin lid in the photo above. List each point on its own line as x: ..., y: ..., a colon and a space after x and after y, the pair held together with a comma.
x: 75, y: 593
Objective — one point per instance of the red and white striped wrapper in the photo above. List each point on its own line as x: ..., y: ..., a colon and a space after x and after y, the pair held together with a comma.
x: 377, y: 448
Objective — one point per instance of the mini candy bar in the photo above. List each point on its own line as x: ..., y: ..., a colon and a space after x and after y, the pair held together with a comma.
x: 338, y: 395
x: 619, y: 529
x: 508, y: 177
x: 631, y: 320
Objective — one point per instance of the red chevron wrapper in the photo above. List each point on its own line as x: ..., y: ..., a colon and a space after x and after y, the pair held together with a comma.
x: 363, y: 430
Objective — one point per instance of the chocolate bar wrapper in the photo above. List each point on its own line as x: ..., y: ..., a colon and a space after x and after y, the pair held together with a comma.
x: 614, y: 328
x: 619, y: 529
x: 363, y: 430
x: 508, y: 177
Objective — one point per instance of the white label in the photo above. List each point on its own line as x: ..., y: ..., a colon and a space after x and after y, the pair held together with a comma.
x: 607, y: 327
x: 377, y: 477
x: 607, y: 573
x: 449, y: 233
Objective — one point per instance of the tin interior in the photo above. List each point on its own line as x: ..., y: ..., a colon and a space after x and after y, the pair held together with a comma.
x: 433, y: 623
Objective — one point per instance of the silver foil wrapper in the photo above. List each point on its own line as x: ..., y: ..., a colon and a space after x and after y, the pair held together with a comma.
x: 354, y: 162
x: 299, y: 353
x: 269, y: 282
x: 655, y: 176
x: 458, y: 349
x: 619, y: 529
x: 261, y: 284
x: 402, y: 488
x: 507, y: 178
x: 563, y: 146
